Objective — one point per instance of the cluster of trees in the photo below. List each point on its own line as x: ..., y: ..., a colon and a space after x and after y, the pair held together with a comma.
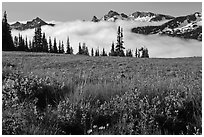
x: 7, y: 41
x: 39, y: 43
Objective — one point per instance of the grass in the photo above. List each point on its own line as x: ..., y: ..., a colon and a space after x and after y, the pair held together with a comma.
x: 69, y: 94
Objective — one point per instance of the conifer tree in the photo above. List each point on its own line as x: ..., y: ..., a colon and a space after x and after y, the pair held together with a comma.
x: 68, y: 46
x: 145, y: 53
x: 16, y: 41
x: 21, y: 46
x: 80, y: 49
x: 50, y: 45
x: 30, y: 45
x: 62, y: 48
x: 55, y: 46
x: 7, y: 41
x: 59, y: 47
x: 71, y: 50
x: 84, y: 49
x: 44, y: 43
x: 119, y: 45
x: 97, y: 52
x: 38, y: 47
x: 92, y: 52
x: 136, y: 53
x: 129, y: 53
x: 103, y: 53
x: 26, y: 44
x: 112, y: 53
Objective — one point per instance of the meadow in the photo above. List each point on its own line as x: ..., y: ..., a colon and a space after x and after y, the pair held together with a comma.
x: 57, y: 94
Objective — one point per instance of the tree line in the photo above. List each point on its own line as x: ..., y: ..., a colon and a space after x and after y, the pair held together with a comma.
x: 39, y: 43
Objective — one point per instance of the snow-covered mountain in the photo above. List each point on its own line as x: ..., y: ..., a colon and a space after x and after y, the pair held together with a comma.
x: 136, y: 16
x: 30, y: 24
x: 189, y: 27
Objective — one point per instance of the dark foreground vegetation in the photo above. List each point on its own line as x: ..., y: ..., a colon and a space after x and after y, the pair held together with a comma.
x: 44, y: 93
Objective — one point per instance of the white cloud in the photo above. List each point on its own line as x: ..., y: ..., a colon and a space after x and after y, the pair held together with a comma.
x: 102, y: 34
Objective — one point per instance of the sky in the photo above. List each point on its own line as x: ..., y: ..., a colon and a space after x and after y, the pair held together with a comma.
x: 71, y: 11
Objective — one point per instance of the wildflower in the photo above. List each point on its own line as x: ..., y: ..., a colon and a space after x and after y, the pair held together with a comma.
x: 101, y: 127
x: 89, y: 131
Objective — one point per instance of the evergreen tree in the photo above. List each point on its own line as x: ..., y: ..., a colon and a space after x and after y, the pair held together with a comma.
x: 119, y: 46
x: 92, y: 52
x: 62, y: 48
x: 68, y: 46
x: 145, y: 53
x: 55, y: 46
x: 7, y: 41
x: 38, y: 46
x: 26, y: 44
x: 30, y: 45
x: 16, y: 41
x: 84, y: 49
x: 21, y: 46
x: 136, y: 53
x: 71, y: 50
x: 44, y: 43
x: 50, y: 45
x: 97, y: 52
x: 80, y: 50
x: 59, y: 47
x: 112, y: 53
x: 103, y: 53
x: 129, y: 53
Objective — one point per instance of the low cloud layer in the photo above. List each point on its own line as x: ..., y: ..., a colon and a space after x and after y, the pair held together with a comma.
x: 101, y: 35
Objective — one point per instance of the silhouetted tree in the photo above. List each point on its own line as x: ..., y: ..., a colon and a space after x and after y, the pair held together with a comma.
x: 85, y: 50
x: 136, y: 53
x: 16, y: 41
x: 80, y: 49
x: 26, y: 44
x: 103, y: 53
x: 112, y: 53
x: 44, y: 43
x: 92, y: 52
x: 62, y: 48
x: 129, y: 53
x: 38, y: 47
x: 145, y: 53
x: 119, y: 45
x: 50, y: 45
x: 71, y: 50
x: 21, y: 43
x: 30, y: 45
x: 59, y: 47
x: 68, y: 46
x: 97, y: 52
x: 7, y: 41
x: 55, y: 46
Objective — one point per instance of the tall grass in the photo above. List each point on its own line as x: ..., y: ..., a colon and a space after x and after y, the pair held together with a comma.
x: 33, y: 105
x: 155, y: 97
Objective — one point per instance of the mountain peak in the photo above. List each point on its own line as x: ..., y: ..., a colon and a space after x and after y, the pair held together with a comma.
x: 112, y: 13
x: 136, y: 16
x: 95, y: 19
x: 30, y: 24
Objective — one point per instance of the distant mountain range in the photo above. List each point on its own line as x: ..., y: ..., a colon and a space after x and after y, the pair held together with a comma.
x: 136, y: 16
x: 188, y: 27
x: 30, y: 24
